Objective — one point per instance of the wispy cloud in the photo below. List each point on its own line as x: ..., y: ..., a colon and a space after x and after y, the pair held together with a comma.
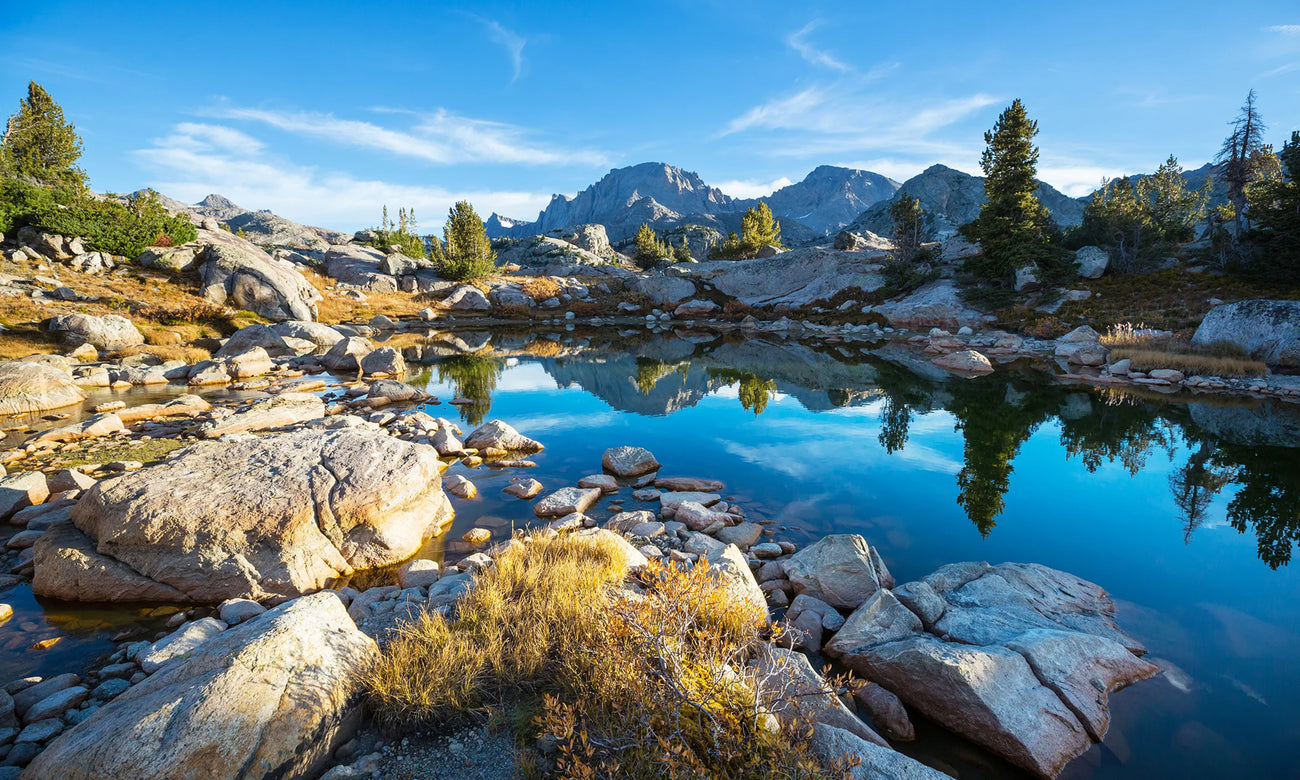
x: 512, y: 41
x: 442, y: 138
x: 1278, y: 71
x: 1285, y: 29
x: 197, y: 159
x: 844, y: 118
x: 798, y: 41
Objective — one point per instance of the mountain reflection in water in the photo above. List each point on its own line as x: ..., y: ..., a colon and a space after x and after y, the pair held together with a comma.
x: 1250, y: 450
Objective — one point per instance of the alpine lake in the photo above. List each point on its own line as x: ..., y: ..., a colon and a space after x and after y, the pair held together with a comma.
x: 1186, y: 508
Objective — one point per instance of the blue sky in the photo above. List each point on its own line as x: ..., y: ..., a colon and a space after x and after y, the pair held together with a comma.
x: 324, y: 111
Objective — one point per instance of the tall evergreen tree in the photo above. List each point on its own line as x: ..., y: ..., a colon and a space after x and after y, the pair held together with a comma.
x: 905, y: 221
x: 1277, y: 211
x: 39, y: 144
x: 1240, y: 158
x: 647, y: 244
x: 468, y: 250
x: 1014, y: 228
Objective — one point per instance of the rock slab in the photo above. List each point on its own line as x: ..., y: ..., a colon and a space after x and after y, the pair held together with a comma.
x: 271, y: 698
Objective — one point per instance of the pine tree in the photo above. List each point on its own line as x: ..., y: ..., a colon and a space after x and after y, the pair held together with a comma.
x: 647, y: 244
x: 1239, y: 159
x: 1116, y: 218
x: 1014, y: 229
x: 758, y: 228
x: 905, y: 221
x: 39, y: 145
x: 1277, y: 211
x: 1174, y: 209
x: 469, y: 253
x: 1140, y: 221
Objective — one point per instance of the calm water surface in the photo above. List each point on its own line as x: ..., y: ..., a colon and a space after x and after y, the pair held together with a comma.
x: 1187, y: 511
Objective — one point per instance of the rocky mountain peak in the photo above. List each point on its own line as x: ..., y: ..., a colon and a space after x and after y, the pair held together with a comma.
x: 221, y: 202
x: 829, y: 197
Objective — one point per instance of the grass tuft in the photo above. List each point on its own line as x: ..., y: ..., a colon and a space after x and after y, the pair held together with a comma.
x: 1189, y: 363
x: 644, y: 683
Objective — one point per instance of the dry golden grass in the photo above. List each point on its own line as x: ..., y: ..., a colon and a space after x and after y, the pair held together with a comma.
x: 632, y: 685
x: 23, y: 342
x: 1147, y: 349
x: 167, y: 352
x: 1189, y: 363
x: 537, y: 602
x: 541, y: 288
x: 334, y: 307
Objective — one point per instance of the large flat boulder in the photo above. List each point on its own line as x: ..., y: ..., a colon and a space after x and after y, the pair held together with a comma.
x: 266, y: 519
x: 270, y: 698
x: 988, y: 694
x: 275, y: 412
x: 239, y: 272
x: 1267, y: 330
x: 27, y: 387
x: 934, y: 305
x: 107, y: 333
x: 1017, y: 657
x: 357, y: 265
x: 317, y: 333
x: 663, y: 290
x: 793, y: 279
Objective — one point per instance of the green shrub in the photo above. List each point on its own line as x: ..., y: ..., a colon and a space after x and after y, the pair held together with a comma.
x: 467, y: 253
x: 105, y: 225
x: 400, y: 234
x: 758, y: 229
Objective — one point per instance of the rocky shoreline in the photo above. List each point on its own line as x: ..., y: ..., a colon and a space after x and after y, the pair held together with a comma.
x: 830, y: 292
x: 303, y: 514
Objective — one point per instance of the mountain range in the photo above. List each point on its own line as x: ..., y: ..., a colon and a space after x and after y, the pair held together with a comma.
x: 828, y: 199
x: 950, y: 198
x: 666, y: 196
x: 260, y: 227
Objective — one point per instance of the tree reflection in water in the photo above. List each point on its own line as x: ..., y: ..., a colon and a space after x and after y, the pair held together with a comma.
x: 475, y: 378
x: 997, y: 414
x: 754, y: 393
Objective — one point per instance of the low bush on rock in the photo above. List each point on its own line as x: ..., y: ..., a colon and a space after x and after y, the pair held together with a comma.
x: 629, y: 683
x: 103, y: 225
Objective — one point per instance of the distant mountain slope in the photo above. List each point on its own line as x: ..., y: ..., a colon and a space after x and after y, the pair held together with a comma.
x: 666, y: 196
x: 260, y: 227
x: 828, y: 198
x: 951, y: 198
x: 622, y: 200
